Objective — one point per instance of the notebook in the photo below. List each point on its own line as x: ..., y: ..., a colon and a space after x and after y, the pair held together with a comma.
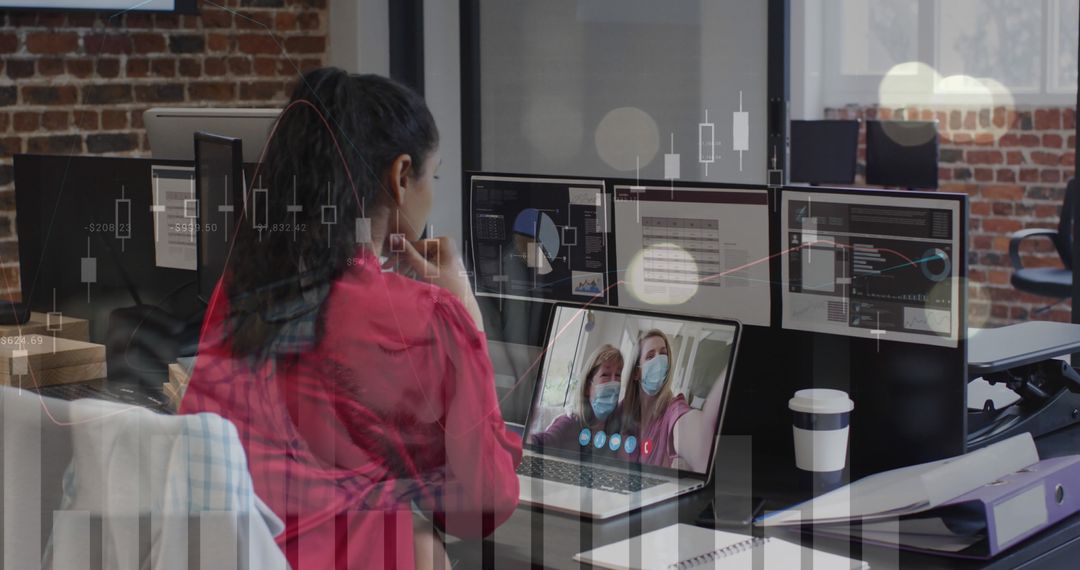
x: 686, y: 547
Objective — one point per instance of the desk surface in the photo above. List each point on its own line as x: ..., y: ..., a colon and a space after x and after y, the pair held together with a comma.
x: 537, y: 539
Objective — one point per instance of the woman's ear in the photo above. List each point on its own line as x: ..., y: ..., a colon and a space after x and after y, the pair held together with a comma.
x: 398, y: 177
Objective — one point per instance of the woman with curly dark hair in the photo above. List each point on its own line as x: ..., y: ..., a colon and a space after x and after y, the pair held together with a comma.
x: 364, y: 396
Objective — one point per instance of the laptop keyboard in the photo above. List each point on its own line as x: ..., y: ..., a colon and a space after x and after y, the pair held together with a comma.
x: 124, y: 395
x: 584, y: 475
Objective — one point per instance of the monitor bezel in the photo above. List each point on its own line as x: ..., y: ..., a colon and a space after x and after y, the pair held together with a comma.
x: 236, y: 148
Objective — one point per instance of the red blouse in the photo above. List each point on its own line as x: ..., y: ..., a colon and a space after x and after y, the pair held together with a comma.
x: 392, y: 406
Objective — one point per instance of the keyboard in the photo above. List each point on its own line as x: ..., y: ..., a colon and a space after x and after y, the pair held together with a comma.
x: 124, y: 395
x: 586, y: 476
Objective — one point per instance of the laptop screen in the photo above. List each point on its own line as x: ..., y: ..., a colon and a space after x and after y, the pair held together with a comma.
x: 616, y: 386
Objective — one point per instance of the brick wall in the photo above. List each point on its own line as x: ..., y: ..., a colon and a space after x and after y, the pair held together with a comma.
x: 77, y: 83
x: 1013, y: 163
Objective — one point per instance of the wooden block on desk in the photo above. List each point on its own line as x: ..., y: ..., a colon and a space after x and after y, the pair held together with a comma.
x: 62, y: 375
x: 42, y: 323
x: 43, y: 352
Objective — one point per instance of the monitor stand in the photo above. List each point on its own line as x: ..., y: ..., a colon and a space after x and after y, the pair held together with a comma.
x: 1027, y: 358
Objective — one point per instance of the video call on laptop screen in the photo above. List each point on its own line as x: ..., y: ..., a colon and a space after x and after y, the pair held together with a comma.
x: 615, y: 384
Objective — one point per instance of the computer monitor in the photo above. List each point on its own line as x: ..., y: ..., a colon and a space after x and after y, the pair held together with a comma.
x: 539, y: 238
x: 877, y: 265
x: 694, y: 249
x: 170, y: 129
x: 902, y: 154
x: 219, y: 190
x: 824, y: 152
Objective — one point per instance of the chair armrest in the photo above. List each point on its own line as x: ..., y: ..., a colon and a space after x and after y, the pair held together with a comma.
x: 1021, y: 235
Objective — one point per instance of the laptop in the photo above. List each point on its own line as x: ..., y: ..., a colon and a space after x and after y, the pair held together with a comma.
x: 600, y: 468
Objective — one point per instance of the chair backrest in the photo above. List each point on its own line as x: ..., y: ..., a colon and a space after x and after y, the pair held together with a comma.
x: 1063, y: 242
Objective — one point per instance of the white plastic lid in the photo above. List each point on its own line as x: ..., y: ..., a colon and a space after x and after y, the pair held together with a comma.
x: 821, y: 401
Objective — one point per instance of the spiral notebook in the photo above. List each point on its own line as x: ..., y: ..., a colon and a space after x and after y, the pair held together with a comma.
x: 686, y: 547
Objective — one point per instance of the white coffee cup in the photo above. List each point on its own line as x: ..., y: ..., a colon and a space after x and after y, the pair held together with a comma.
x: 821, y: 420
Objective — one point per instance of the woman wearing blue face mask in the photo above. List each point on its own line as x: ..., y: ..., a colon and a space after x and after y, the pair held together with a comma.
x: 669, y: 432
x: 597, y: 402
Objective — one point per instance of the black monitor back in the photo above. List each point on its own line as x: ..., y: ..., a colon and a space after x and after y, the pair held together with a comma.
x: 823, y: 152
x: 65, y: 205
x: 902, y: 154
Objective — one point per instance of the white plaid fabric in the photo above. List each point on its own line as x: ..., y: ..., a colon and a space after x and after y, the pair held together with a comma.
x: 129, y: 460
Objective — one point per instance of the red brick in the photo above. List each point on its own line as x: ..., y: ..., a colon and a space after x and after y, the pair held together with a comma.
x: 1072, y: 141
x: 215, y: 66
x: 52, y: 42
x: 239, y: 66
x: 81, y: 68
x: 1068, y: 159
x: 985, y: 157
x: 148, y: 43
x: 1052, y: 141
x: 1001, y: 209
x: 170, y: 21
x: 217, y: 42
x: 980, y: 208
x: 189, y: 67
x: 5, y: 121
x: 108, y: 68
x: 999, y: 117
x: 309, y: 20
x: 984, y: 138
x: 55, y: 144
x: 106, y: 94
x: 998, y: 277
x: 962, y: 139
x: 9, y: 43
x: 944, y: 174
x: 50, y: 95
x: 136, y: 119
x: 1046, y: 211
x: 1050, y: 176
x: 309, y: 64
x: 211, y: 91
x: 1006, y: 175
x: 257, y: 44
x: 984, y: 174
x: 50, y: 66
x: 1045, y: 158
x: 137, y: 67
x: 254, y: 21
x: 969, y: 120
x: 10, y: 146
x: 86, y: 120
x: 25, y: 121
x: 163, y: 67
x: 20, y: 68
x: 305, y: 44
x: 262, y: 90
x: 107, y: 43
x: 265, y: 66
x: 1068, y: 119
x: 1009, y: 192
x: 1015, y: 157
x: 285, y: 21
x: 55, y: 120
x: 213, y: 17
x: 1047, y: 119
x: 134, y: 20
x: 82, y: 20
x: 113, y: 120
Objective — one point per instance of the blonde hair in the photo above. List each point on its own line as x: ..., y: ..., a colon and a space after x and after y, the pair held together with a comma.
x: 601, y: 356
x: 631, y: 410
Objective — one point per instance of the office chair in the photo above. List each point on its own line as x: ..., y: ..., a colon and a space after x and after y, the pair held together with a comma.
x: 1047, y: 281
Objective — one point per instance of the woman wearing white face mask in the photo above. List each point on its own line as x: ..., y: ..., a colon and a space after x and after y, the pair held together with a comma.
x: 596, y: 403
x: 669, y: 432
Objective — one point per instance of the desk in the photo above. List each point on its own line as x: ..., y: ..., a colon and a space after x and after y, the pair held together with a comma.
x: 558, y: 537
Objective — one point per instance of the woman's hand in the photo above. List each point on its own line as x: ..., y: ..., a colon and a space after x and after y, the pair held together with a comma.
x: 437, y: 261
